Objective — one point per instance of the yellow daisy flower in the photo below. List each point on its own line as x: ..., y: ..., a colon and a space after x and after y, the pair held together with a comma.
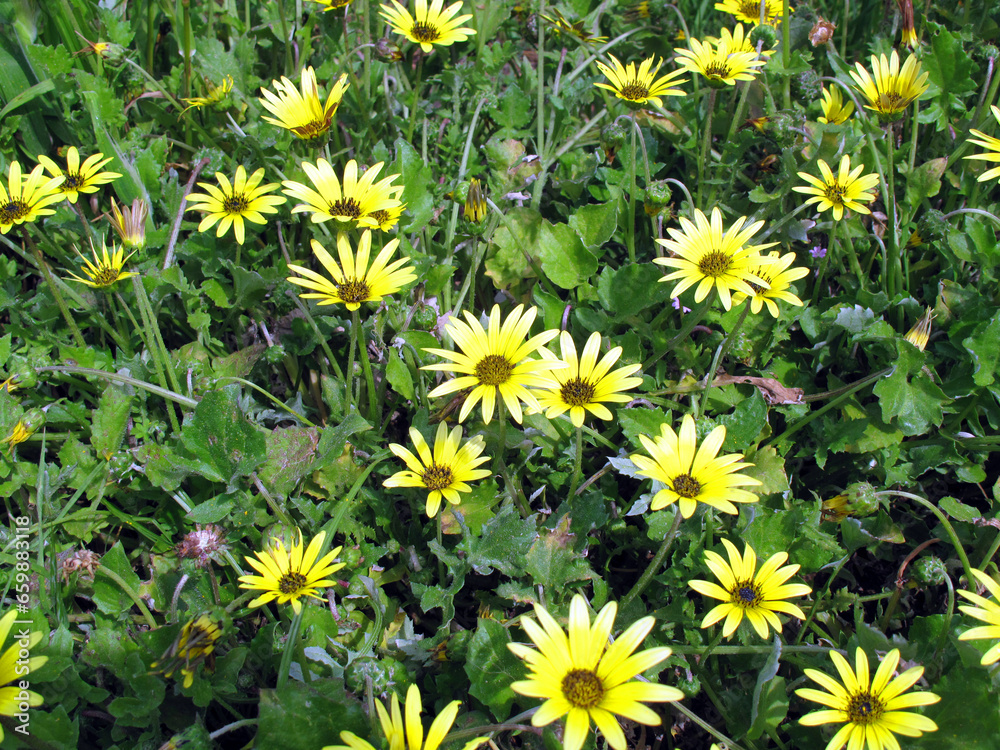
x: 303, y: 113
x: 748, y: 11
x: 563, y: 26
x: 495, y: 363
x: 779, y: 277
x: 329, y: 5
x: 213, y: 94
x: 991, y: 144
x: 748, y: 592
x: 79, y: 178
x: 844, y: 190
x: 871, y: 714
x: 446, y: 471
x: 354, y: 200
x: 920, y: 334
x: 12, y: 671
x: 711, y: 258
x: 737, y: 42
x: 193, y: 645
x: 106, y: 269
x: 232, y: 204
x: 694, y: 477
x: 893, y: 89
x: 354, y: 281
x: 581, y: 677
x: 428, y: 26
x: 720, y: 63
x: 836, y: 110
x: 27, y: 196
x: 637, y: 88
x: 987, y: 611
x: 130, y: 223
x: 411, y: 733
x: 585, y: 382
x: 288, y: 575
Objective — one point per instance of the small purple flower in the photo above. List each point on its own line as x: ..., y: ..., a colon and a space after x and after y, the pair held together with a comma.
x: 818, y: 252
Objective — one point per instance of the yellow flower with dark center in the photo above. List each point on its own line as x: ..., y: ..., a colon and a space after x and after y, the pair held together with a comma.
x: 408, y: 734
x: 428, y: 26
x: 562, y: 26
x: 353, y: 280
x: 986, y: 610
x: 495, y: 363
x: 445, y: 472
x: 848, y: 189
x: 130, y: 223
x: 779, y: 277
x: 637, y: 88
x: 213, y: 95
x: 288, y: 575
x: 582, y: 677
x: 720, y: 63
x: 991, y: 144
x: 892, y: 89
x: 233, y: 203
x: 329, y: 5
x: 13, y: 671
x: 748, y: 11
x: 79, y: 178
x: 711, y: 257
x: 736, y: 41
x: 640, y: 11
x: 194, y: 645
x: 303, y: 113
x: 747, y: 592
x: 585, y: 383
x: 27, y: 197
x: 106, y: 268
x: 835, y: 109
x: 920, y: 334
x: 355, y: 200
x: 870, y: 712
x: 691, y: 473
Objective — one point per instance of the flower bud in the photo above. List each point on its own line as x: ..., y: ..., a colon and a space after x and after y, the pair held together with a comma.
x: 862, y: 499
x: 930, y: 571
x: 658, y: 196
x: 764, y: 33
x: 612, y: 138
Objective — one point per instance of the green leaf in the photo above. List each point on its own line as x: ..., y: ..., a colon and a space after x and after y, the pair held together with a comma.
x: 631, y: 289
x: 595, y: 223
x: 108, y: 594
x: 221, y: 439
x: 551, y: 560
x: 110, y: 419
x: 333, y: 439
x: 925, y: 181
x: 967, y: 716
x: 958, y: 510
x: 508, y: 265
x: 745, y: 423
x: 505, y: 542
x: 39, y: 89
x: 299, y: 715
x: 565, y: 260
x: 290, y: 454
x: 418, y: 190
x: 492, y: 667
x: 984, y: 346
x: 511, y: 111
x: 917, y: 403
x: 769, y: 468
x: 770, y: 703
x: 635, y: 422
x: 398, y: 375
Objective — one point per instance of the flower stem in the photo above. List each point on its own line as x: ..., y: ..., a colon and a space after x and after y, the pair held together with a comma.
x: 156, y: 347
x: 706, y: 144
x: 786, y: 52
x: 123, y: 379
x: 415, y: 99
x: 130, y: 592
x: 821, y: 274
x: 350, y: 363
x: 577, y: 465
x: 656, y: 563
x: 366, y: 367
x: 630, y: 227
x: 44, y: 268
x: 893, y: 250
x: 290, y: 645
x: 720, y: 354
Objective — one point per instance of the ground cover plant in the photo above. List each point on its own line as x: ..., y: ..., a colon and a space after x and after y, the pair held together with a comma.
x: 530, y: 375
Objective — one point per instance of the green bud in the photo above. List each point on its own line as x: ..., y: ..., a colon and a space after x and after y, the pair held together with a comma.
x: 612, y: 138
x: 33, y: 419
x: 862, y: 499
x: 658, y: 197
x: 764, y: 33
x: 930, y: 571
x: 933, y: 227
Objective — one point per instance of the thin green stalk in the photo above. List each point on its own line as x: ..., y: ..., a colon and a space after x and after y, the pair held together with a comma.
x: 366, y: 367
x: 824, y: 262
x: 151, y: 35
x: 319, y: 337
x: 266, y: 394
x: 114, y: 377
x: 815, y: 607
x: 943, y: 520
x: 56, y: 295
x: 786, y: 52
x: 720, y: 354
x: 893, y: 249
x: 630, y: 227
x: 478, y: 251
x: 577, y: 465
x: 350, y: 363
x: 990, y: 552
x: 706, y: 145
x: 692, y: 319
x: 271, y: 502
x: 291, y: 644
x: 285, y: 37
x: 415, y: 99
x: 126, y: 339
x: 131, y: 593
x: 729, y: 743
x: 540, y: 93
x: 158, y: 347
x: 656, y: 563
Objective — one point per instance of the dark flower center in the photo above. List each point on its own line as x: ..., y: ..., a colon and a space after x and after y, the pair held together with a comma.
x: 751, y: 9
x: 291, y: 582
x: 494, y: 370
x: 313, y: 129
x: 686, y: 485
x: 715, y: 263
x: 745, y: 594
x: 438, y: 477
x: 864, y: 708
x: 757, y: 288
x: 890, y: 102
x: 381, y: 216
x: 835, y: 193
x: 353, y: 290
x: 106, y: 275
x: 577, y: 392
x: 235, y: 204
x: 635, y: 91
x: 718, y: 69
x: 13, y: 210
x: 348, y: 207
x: 73, y: 181
x: 582, y: 688
x: 425, y: 32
